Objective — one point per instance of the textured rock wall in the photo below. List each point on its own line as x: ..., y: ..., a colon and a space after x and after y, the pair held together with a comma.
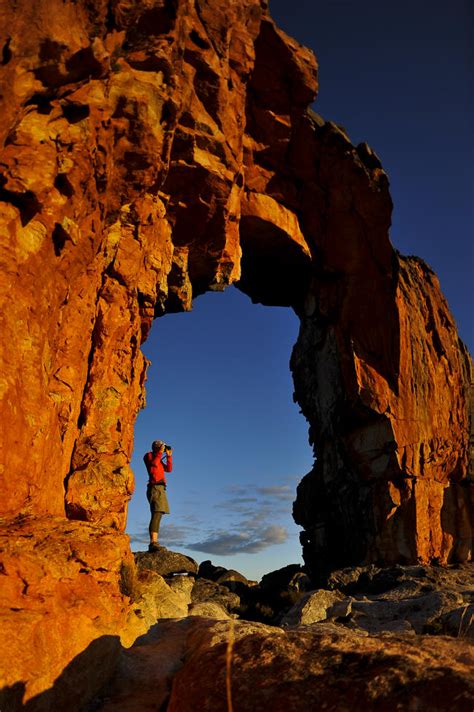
x: 63, y: 611
x: 152, y: 151
x: 390, y: 483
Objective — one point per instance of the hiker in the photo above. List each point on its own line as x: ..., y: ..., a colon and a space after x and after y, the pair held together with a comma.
x: 156, y: 489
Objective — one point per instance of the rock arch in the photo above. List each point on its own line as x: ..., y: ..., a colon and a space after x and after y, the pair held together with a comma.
x: 149, y: 152
x: 166, y: 149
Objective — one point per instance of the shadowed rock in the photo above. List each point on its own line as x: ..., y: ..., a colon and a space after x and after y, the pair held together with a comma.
x: 182, y: 667
x: 166, y: 562
x: 205, y: 591
x: 412, y: 599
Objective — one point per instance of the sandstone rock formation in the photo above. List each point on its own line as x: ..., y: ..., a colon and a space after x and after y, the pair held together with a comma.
x: 402, y: 429
x: 150, y: 151
x: 183, y: 666
x: 163, y: 149
x: 61, y: 597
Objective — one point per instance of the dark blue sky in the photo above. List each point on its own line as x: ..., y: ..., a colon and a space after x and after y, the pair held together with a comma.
x: 395, y: 74
x: 399, y: 75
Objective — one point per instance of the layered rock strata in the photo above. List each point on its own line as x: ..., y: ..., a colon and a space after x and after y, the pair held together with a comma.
x: 152, y: 151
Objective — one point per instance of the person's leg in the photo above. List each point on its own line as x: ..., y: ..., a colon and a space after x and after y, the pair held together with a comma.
x: 154, y: 527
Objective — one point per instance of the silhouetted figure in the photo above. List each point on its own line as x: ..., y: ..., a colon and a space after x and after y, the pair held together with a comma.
x: 158, y: 462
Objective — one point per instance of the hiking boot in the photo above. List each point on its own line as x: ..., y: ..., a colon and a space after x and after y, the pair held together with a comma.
x: 154, y: 547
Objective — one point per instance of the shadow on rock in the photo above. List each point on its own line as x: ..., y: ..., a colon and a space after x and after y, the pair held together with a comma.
x: 78, y: 683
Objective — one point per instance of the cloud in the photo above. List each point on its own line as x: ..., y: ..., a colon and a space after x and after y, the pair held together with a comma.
x: 170, y: 534
x: 247, y: 520
x: 225, y: 544
x: 236, y: 506
x: 139, y: 538
x: 277, y: 491
x: 244, y: 498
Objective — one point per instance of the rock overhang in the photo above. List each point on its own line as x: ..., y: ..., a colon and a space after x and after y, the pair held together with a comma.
x: 276, y: 264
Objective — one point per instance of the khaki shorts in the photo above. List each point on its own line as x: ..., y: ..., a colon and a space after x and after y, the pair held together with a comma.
x: 156, y: 495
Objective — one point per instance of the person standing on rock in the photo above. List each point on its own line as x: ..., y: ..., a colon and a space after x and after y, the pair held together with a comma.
x: 158, y: 461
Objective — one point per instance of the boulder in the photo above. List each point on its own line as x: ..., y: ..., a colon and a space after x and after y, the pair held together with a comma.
x: 154, y: 599
x: 413, y: 599
x: 230, y: 577
x: 300, y: 582
x: 205, y: 591
x: 166, y: 562
x: 419, y: 599
x: 279, y: 580
x: 181, y: 586
x: 225, y: 577
x: 209, y: 571
x: 64, y: 610
x: 208, y: 609
x: 315, y: 606
x: 276, y: 593
x: 390, y: 581
x: 214, y: 666
x: 347, y: 579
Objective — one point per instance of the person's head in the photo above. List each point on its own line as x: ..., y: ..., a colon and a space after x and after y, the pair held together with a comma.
x: 157, y: 445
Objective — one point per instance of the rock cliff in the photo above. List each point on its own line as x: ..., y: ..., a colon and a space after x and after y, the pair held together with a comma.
x: 150, y: 152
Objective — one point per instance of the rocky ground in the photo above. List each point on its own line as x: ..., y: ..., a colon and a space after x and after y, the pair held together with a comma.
x: 371, y: 639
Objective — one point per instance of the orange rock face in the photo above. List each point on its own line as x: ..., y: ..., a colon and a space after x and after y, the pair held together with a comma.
x: 60, y: 597
x: 152, y: 151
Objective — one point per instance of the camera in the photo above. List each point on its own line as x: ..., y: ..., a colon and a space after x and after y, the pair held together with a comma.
x: 167, y: 447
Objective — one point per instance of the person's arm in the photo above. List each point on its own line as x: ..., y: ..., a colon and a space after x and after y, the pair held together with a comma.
x: 168, y: 465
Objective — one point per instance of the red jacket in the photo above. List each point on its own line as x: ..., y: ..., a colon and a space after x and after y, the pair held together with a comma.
x: 156, y: 467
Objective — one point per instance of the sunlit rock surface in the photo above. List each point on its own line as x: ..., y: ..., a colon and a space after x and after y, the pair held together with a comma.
x: 62, y: 601
x: 150, y: 152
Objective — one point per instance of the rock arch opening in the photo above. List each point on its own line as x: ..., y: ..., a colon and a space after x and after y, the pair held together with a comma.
x: 219, y: 388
